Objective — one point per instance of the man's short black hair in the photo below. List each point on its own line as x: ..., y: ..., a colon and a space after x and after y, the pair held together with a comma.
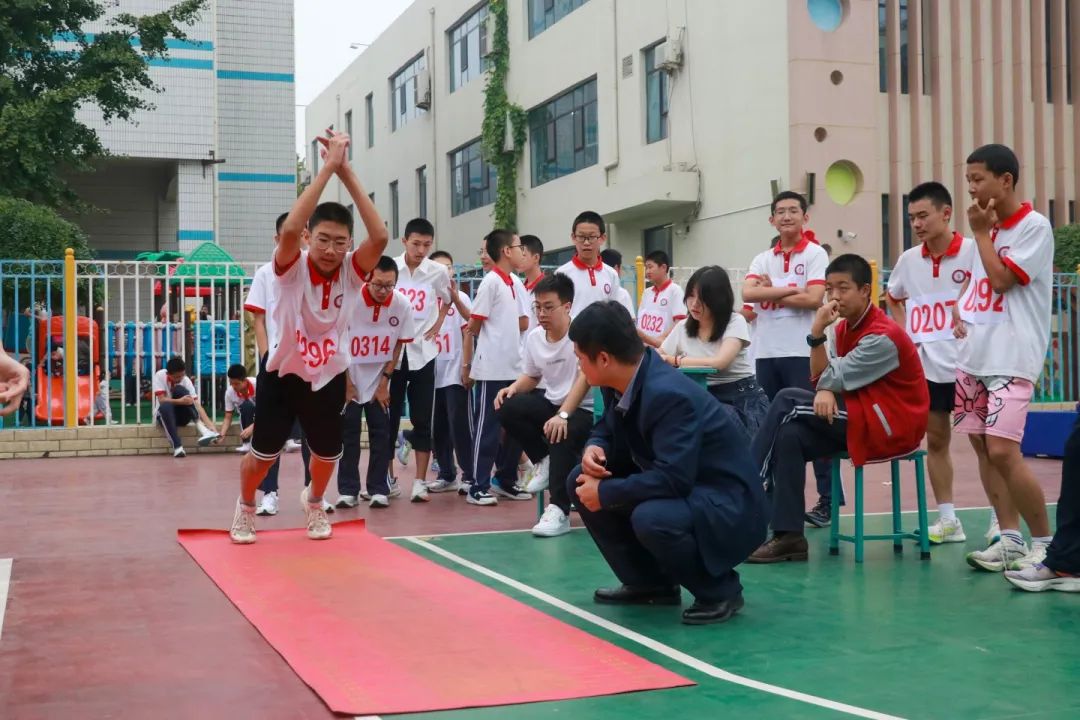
x: 998, y: 159
x: 331, y: 212
x: 659, y: 257
x: 788, y: 195
x: 280, y: 222
x: 532, y: 244
x: 606, y: 326
x: 441, y: 254
x: 387, y: 264
x: 612, y: 258
x: 175, y: 365
x: 495, y: 241
x: 853, y: 265
x: 591, y: 217
x: 558, y: 284
x: 236, y: 371
x: 933, y: 191
x: 419, y: 226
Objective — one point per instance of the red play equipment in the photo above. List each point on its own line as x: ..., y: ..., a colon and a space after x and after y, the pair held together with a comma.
x: 49, y: 408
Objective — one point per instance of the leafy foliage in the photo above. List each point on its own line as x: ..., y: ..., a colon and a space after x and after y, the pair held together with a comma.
x: 1067, y: 248
x: 34, y: 232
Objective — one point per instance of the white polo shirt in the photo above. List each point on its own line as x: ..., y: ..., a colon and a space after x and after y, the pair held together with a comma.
x: 425, y: 288
x: 555, y: 364
x: 679, y: 343
x: 929, y: 286
x: 592, y: 283
x: 374, y: 331
x: 309, y: 317
x: 161, y: 385
x: 448, y: 362
x: 498, y: 304
x: 233, y: 399
x: 661, y: 307
x: 781, y: 331
x: 1008, y: 335
x: 261, y: 297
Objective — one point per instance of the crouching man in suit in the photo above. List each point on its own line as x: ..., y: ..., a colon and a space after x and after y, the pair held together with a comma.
x: 666, y: 486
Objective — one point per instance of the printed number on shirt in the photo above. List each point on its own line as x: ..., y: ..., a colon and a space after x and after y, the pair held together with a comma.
x: 316, y: 352
x: 417, y: 298
x: 981, y: 305
x: 651, y: 323
x: 370, y: 347
x: 777, y: 309
x: 930, y: 317
x: 442, y: 341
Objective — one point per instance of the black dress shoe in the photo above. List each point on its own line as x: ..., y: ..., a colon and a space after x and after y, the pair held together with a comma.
x: 701, y: 613
x: 629, y: 595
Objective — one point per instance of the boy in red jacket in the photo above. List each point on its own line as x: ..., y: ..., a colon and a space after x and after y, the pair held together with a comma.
x: 871, y: 402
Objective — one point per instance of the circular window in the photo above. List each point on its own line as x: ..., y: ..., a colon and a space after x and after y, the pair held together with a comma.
x: 843, y: 180
x: 826, y: 14
x: 837, y: 77
x: 820, y: 134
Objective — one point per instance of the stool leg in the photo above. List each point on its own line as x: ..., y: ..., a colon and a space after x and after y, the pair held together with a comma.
x: 898, y: 544
x: 858, y: 514
x: 834, y: 526
x: 539, y: 505
x: 920, y: 490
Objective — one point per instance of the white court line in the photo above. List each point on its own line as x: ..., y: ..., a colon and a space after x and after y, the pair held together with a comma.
x: 5, y: 584
x: 654, y: 645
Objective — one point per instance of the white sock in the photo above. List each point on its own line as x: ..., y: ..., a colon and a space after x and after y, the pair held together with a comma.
x: 1042, y: 540
x: 947, y: 511
x: 1013, y: 535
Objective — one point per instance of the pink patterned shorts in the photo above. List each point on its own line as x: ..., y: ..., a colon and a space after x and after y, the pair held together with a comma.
x: 995, y: 406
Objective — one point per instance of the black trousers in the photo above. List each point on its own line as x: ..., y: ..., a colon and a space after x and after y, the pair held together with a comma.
x: 247, y: 417
x: 1064, y: 552
x: 791, y: 436
x: 173, y: 416
x: 419, y: 386
x: 380, y: 449
x: 451, y: 432
x: 523, y: 418
x: 491, y: 451
x: 775, y: 374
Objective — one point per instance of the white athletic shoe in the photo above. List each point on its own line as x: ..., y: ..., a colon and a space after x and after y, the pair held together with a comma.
x: 946, y: 531
x: 242, y: 448
x: 179, y: 452
x: 441, y: 486
x: 553, y: 523
x: 379, y: 501
x: 998, y: 556
x: 1037, y: 578
x: 395, y: 491
x: 510, y: 493
x: 347, y: 501
x: 268, y: 506
x: 481, y: 497
x: 242, y: 531
x: 365, y: 495
x: 538, y: 478
x: 206, y: 435
x: 292, y: 445
x: 318, y: 526
x: 993, y: 533
x: 419, y: 492
x: 1035, y: 557
x: 404, y: 449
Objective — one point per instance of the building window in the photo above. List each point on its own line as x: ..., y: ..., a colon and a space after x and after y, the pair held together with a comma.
x: 421, y: 192
x: 658, y: 238
x: 882, y: 46
x: 314, y: 157
x: 545, y: 13
x: 348, y: 130
x: 1072, y: 211
x: 1049, y: 43
x: 558, y: 258
x: 656, y: 98
x: 472, y: 180
x: 394, y: 226
x: 906, y: 221
x: 563, y: 134
x: 1050, y: 213
x: 468, y: 49
x: 904, y: 88
x: 926, y: 17
x: 404, y: 87
x: 369, y: 112
x: 886, y: 259
x: 1068, y: 52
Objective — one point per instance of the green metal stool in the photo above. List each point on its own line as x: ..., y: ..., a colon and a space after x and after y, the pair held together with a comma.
x: 897, y: 535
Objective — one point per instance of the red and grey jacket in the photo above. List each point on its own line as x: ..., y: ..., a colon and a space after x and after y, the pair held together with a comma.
x: 881, y: 378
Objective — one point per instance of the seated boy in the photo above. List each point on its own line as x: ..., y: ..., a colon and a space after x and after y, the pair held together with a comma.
x: 177, y: 404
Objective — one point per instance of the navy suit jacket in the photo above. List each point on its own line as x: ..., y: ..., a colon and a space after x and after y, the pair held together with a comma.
x: 677, y: 441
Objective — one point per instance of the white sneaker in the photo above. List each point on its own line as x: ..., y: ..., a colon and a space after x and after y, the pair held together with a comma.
x: 441, y: 486
x: 365, y: 495
x: 242, y: 531
x: 379, y: 501
x: 404, y: 449
x: 946, y: 531
x: 179, y: 451
x: 242, y: 448
x: 525, y: 469
x: 993, y: 533
x: 998, y: 556
x: 553, y: 523
x: 268, y: 506
x: 1037, y: 578
x: 347, y: 501
x: 481, y: 497
x: 510, y: 493
x: 538, y: 478
x: 318, y: 526
x: 419, y: 492
x: 292, y: 445
x: 435, y: 466
x: 1035, y: 557
x: 206, y: 435
x: 395, y: 491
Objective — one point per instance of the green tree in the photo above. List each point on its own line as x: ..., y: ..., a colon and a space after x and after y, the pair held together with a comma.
x: 35, y: 232
x: 1067, y: 248
x: 41, y: 88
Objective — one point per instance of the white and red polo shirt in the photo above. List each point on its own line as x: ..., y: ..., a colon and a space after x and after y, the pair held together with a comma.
x: 780, y: 331
x: 660, y: 308
x: 592, y: 283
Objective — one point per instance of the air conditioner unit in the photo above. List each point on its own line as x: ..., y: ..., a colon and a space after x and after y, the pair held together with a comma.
x: 487, y: 36
x: 669, y: 55
x: 422, y: 88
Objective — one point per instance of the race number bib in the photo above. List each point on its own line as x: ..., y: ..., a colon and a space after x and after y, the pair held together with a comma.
x: 930, y: 317
x: 421, y: 298
x: 364, y: 349
x: 980, y: 305
x: 778, y: 309
x: 651, y: 324
x: 316, y: 351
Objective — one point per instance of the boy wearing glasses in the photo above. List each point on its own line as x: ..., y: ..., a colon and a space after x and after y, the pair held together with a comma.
x: 553, y: 423
x: 593, y: 280
x: 305, y: 372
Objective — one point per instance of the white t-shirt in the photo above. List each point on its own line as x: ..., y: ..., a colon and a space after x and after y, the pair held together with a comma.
x: 424, y: 289
x: 930, y: 286
x: 661, y: 307
x: 679, y: 343
x: 591, y: 284
x: 498, y: 303
x: 448, y: 362
x: 781, y: 331
x: 233, y: 399
x: 161, y: 386
x: 1007, y: 335
x: 310, y: 318
x: 553, y: 363
x: 261, y: 298
x: 374, y: 331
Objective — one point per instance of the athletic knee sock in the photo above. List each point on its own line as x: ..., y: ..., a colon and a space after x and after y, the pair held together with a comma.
x: 947, y: 511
